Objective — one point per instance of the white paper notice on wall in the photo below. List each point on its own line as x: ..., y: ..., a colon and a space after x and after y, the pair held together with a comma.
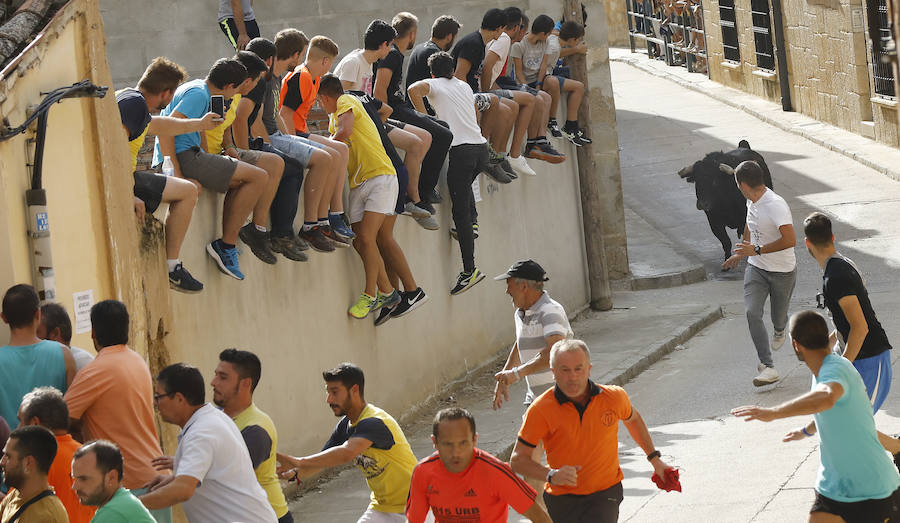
x: 856, y: 19
x: 476, y: 189
x: 84, y: 300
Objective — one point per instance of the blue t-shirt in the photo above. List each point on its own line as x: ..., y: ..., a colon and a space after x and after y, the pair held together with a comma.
x: 22, y: 368
x: 854, y: 466
x: 191, y: 99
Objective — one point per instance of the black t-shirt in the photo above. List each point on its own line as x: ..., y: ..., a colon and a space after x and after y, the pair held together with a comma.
x: 418, y: 62
x: 394, y: 62
x: 842, y: 279
x: 258, y: 97
x: 263, y: 95
x: 372, y: 429
x: 471, y: 47
x: 134, y: 112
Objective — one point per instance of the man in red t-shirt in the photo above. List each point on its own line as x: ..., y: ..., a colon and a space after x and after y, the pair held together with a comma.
x: 464, y: 484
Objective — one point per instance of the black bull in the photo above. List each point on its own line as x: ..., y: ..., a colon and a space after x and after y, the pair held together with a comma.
x: 717, y: 193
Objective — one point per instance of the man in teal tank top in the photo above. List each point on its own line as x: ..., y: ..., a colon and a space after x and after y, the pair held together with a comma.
x: 27, y: 361
x: 857, y: 480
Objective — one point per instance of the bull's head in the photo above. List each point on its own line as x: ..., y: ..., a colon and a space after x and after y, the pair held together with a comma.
x: 708, y: 177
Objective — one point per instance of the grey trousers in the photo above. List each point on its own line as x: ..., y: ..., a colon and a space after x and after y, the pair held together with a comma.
x: 758, y: 285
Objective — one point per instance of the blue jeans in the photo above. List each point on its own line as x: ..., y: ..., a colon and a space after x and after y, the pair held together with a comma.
x: 758, y: 285
x: 163, y: 515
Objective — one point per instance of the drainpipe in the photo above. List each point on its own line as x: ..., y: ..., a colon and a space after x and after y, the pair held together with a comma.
x: 781, y: 57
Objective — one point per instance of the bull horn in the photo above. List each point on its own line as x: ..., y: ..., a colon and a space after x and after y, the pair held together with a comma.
x: 727, y: 169
x: 684, y: 173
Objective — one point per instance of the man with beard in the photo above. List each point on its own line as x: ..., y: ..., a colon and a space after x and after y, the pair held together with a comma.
x: 153, y: 93
x: 236, y: 377
x: 856, y: 480
x: 367, y: 436
x: 462, y: 480
x: 97, y: 481
x: 26, y: 460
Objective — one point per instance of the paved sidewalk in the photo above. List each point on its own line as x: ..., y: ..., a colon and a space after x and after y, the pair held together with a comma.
x: 878, y: 156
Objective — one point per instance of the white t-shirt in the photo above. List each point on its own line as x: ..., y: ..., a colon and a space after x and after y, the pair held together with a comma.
x: 226, y: 12
x: 764, y: 217
x: 211, y: 449
x: 356, y: 70
x: 501, y: 47
x: 531, y: 55
x: 81, y: 357
x: 454, y: 102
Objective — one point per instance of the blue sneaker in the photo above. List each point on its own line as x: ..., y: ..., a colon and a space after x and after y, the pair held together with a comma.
x: 226, y: 259
x: 339, y: 227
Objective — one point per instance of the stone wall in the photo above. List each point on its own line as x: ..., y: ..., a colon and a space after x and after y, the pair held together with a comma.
x: 827, y: 62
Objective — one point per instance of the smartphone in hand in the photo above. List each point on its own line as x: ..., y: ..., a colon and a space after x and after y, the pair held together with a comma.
x: 218, y: 105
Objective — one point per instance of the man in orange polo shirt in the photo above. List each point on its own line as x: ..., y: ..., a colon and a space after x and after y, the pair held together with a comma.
x: 462, y: 481
x: 578, y: 423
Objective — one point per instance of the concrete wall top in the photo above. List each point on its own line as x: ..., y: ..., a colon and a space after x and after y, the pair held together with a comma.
x: 187, y: 32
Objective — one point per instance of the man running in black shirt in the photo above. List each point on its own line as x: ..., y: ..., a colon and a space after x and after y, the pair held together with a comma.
x: 844, y: 294
x: 388, y: 75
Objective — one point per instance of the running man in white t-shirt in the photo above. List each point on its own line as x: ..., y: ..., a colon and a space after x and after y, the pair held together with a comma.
x: 768, y: 244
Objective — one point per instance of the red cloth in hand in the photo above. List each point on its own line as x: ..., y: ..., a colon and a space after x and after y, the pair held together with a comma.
x: 670, y: 483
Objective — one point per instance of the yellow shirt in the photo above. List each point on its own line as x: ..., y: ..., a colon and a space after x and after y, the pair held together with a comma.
x: 48, y: 510
x: 253, y: 419
x: 214, y: 136
x: 387, y: 464
x: 367, y: 156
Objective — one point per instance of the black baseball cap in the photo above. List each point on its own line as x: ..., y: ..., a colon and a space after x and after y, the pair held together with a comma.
x: 526, y: 270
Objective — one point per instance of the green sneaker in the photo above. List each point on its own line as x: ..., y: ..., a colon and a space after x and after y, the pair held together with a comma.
x: 363, y: 307
x: 386, y: 300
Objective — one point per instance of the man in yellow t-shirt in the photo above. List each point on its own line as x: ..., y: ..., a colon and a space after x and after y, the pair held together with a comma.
x: 236, y: 377
x: 153, y: 92
x: 373, y: 189
x: 25, y: 462
x: 369, y: 438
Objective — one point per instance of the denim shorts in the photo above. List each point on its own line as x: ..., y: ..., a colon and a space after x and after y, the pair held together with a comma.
x: 297, y: 147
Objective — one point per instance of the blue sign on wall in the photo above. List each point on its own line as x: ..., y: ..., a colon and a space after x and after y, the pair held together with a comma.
x: 43, y: 224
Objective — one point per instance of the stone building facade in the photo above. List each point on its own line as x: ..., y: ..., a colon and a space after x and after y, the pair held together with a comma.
x: 832, y: 75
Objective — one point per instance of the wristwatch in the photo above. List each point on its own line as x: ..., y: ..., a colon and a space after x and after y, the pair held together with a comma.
x: 757, y: 249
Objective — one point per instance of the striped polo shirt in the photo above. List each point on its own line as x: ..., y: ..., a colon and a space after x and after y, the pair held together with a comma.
x: 543, y: 319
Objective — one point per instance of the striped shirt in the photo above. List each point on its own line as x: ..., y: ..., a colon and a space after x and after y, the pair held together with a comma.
x: 533, y: 326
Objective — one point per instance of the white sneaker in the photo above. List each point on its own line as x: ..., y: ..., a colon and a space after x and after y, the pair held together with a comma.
x: 778, y: 340
x: 766, y: 376
x: 520, y: 165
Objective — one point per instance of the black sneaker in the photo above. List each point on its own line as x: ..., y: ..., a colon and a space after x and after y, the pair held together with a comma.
x: 314, y: 237
x: 553, y: 127
x: 576, y: 136
x: 336, y: 239
x: 466, y: 281
x: 432, y: 197
x: 422, y: 204
x: 583, y: 137
x: 544, y: 151
x: 507, y: 168
x: 258, y: 242
x: 497, y: 173
x: 182, y: 281
x: 289, y: 248
x: 384, y: 314
x: 411, y: 301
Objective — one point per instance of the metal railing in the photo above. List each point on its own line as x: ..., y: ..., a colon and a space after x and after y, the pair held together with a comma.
x: 678, y: 38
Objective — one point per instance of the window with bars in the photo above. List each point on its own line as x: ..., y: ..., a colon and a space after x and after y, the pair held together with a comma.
x: 762, y: 34
x: 882, y: 70
x: 729, y: 30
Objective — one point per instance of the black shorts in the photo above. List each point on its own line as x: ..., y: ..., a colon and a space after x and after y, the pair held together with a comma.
x: 230, y: 29
x: 392, y: 124
x: 149, y: 187
x: 866, y: 511
x: 600, y: 507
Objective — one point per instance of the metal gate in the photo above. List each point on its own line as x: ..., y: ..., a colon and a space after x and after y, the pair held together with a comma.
x: 671, y: 30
